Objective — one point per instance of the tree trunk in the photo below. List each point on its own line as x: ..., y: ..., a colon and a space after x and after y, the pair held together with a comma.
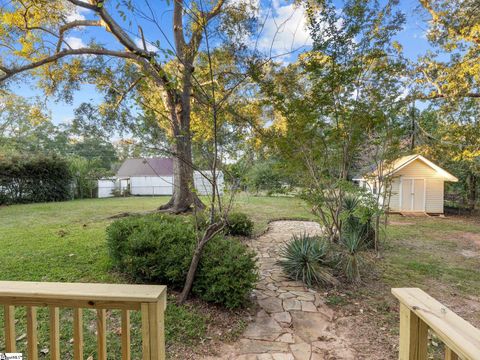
x: 472, y: 191
x: 210, y: 233
x: 184, y: 196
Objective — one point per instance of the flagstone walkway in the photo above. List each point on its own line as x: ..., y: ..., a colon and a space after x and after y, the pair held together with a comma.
x: 292, y: 322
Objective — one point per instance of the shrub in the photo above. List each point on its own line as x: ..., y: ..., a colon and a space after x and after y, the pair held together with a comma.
x: 159, y: 248
x: 227, y: 273
x: 307, y: 258
x: 239, y: 224
x: 26, y: 179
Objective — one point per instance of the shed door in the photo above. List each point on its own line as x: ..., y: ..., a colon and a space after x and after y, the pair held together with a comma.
x: 413, y: 194
x: 419, y: 195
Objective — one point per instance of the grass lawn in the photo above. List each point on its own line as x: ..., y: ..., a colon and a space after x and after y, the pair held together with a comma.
x: 439, y: 255
x: 66, y: 242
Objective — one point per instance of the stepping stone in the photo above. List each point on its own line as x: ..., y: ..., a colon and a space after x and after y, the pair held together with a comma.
x: 248, y: 346
x: 291, y: 304
x: 263, y: 328
x: 283, y: 317
x: 271, y: 287
x: 301, y: 351
x: 283, y: 357
x: 264, y: 357
x: 303, y: 295
x: 286, y: 338
x: 308, y: 306
x: 271, y: 304
x: 286, y: 295
x: 246, y: 357
x: 309, y: 326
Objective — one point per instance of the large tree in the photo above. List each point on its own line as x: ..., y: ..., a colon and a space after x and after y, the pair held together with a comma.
x: 330, y: 106
x: 34, y: 38
x: 452, y: 69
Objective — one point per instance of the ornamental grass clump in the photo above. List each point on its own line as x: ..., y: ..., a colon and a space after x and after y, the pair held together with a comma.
x: 307, y: 258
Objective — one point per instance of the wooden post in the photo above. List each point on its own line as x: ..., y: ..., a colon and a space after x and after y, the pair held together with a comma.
x: 413, y: 336
x: 9, y: 319
x: 126, y: 335
x: 153, y: 329
x: 54, y: 333
x: 449, y: 354
x: 32, y: 338
x: 145, y: 332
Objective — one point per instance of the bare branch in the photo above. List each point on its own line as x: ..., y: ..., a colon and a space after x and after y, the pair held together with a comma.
x: 9, y: 72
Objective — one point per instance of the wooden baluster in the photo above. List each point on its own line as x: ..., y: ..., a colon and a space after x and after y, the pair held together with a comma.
x: 126, y: 335
x: 9, y: 318
x: 102, y: 334
x: 449, y: 354
x: 77, y: 334
x: 54, y: 333
x: 32, y: 338
x: 413, y: 336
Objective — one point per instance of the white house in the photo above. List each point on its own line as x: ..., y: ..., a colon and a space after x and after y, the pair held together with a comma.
x: 416, y: 184
x: 151, y: 176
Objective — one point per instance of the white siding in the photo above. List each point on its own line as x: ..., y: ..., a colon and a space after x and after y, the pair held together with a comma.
x: 435, y: 196
x: 434, y: 184
x: 395, y: 195
x: 203, y: 186
x: 151, y: 185
x: 105, y: 187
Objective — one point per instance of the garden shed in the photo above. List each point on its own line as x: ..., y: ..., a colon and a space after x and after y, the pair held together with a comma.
x: 416, y: 184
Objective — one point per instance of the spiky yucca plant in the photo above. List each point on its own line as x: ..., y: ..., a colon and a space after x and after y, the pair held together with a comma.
x: 351, y: 253
x: 306, y: 258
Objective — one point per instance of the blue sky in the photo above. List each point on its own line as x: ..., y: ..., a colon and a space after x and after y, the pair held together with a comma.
x: 292, y: 35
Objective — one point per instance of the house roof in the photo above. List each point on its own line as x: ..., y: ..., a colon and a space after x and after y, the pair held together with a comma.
x: 146, y: 167
x: 404, y: 161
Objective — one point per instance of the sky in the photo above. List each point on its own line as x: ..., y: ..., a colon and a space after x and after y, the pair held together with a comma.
x: 284, y: 29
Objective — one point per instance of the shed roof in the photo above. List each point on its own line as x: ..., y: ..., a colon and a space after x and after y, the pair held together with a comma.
x: 404, y: 161
x: 146, y: 167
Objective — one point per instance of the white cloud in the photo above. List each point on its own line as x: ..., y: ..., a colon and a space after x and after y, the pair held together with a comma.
x: 284, y: 29
x: 75, y: 42
x: 150, y: 47
x: 76, y: 13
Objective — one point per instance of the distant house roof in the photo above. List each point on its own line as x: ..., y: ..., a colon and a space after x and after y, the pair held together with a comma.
x: 400, y: 163
x: 146, y: 167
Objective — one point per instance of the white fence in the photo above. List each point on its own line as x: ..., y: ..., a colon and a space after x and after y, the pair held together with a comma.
x: 155, y: 185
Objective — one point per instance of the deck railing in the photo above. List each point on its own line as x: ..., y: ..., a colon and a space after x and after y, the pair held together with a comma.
x: 150, y: 300
x: 419, y: 312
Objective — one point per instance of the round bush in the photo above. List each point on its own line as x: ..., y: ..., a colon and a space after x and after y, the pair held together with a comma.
x: 159, y: 248
x: 227, y: 273
x: 239, y: 224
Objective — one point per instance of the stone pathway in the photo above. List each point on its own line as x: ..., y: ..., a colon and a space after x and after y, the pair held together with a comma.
x: 292, y: 322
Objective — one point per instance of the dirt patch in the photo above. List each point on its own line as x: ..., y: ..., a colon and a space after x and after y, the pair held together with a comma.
x: 222, y: 326
x: 469, y: 236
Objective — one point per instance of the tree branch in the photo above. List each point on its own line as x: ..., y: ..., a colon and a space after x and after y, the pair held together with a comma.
x: 9, y: 72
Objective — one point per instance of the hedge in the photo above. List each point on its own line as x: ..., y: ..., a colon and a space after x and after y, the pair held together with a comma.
x: 27, y: 179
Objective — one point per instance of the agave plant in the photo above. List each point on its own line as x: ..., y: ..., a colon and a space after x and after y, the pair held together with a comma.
x: 306, y: 258
x: 351, y: 254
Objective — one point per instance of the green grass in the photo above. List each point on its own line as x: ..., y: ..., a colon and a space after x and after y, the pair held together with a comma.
x: 66, y: 242
x: 427, y: 252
